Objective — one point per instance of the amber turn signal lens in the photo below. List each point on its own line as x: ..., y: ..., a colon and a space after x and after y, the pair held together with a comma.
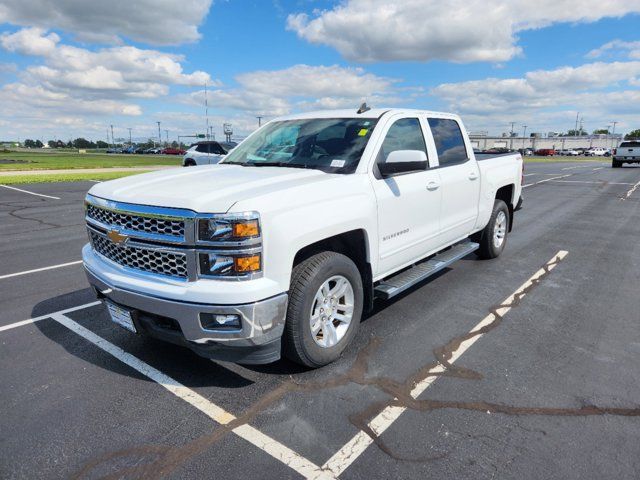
x: 246, y: 229
x: 247, y: 264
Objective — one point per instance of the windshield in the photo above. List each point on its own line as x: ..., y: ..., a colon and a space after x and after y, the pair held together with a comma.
x: 328, y: 144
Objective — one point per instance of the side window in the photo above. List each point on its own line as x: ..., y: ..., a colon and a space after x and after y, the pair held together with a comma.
x: 216, y: 149
x: 449, y: 141
x: 404, y: 134
x: 202, y: 148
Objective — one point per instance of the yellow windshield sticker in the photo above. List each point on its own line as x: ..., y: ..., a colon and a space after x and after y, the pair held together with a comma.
x: 363, y: 132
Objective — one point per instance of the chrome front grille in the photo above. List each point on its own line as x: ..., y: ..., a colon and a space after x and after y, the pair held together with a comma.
x: 137, y: 223
x: 152, y: 260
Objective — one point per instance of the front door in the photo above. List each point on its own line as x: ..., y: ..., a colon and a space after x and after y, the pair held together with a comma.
x: 408, y: 204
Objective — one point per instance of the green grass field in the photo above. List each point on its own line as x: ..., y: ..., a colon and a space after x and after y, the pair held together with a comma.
x: 557, y: 158
x: 63, y: 177
x: 57, y: 161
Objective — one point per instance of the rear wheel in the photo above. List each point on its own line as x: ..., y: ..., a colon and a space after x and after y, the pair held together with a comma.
x: 493, y: 238
x: 325, y: 307
x: 616, y: 164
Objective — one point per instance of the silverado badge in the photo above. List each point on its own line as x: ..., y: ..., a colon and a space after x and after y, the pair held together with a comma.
x: 117, y: 237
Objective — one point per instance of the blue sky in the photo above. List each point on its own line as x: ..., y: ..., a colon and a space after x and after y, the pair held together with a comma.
x: 132, y: 63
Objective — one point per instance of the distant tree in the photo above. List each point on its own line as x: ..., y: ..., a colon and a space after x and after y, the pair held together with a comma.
x: 576, y: 133
x: 52, y: 144
x: 101, y: 144
x: 29, y: 143
x: 83, y: 143
x: 632, y: 135
x: 39, y: 144
x: 174, y: 144
x: 69, y: 144
x: 601, y: 131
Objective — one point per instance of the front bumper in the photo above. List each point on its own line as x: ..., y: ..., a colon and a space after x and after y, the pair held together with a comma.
x: 258, y: 341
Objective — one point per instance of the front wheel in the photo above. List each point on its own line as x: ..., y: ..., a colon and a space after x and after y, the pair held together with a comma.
x: 493, y: 238
x: 325, y: 307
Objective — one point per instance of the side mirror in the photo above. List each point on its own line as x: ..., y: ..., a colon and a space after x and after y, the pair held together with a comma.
x: 403, y: 161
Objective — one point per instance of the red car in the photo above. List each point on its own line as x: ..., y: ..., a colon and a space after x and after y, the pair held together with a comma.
x: 546, y: 152
x: 173, y: 151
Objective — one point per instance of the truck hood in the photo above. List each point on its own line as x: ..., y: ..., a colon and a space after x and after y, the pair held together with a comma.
x: 205, y: 189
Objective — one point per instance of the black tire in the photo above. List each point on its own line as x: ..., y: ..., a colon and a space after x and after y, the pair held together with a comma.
x: 189, y: 163
x: 307, y: 278
x: 616, y: 164
x: 488, y: 249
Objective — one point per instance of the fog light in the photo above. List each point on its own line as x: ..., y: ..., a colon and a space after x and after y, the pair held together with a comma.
x: 218, y: 321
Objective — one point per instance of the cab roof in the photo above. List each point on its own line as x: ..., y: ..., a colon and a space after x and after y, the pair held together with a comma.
x: 353, y: 113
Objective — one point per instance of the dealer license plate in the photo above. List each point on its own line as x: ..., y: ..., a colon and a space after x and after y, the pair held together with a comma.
x: 121, y: 316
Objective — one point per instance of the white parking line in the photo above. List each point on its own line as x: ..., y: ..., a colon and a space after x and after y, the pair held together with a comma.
x: 48, y: 315
x: 601, y: 182
x: 35, y: 270
x: 277, y: 450
x: 578, y: 166
x: 547, y: 180
x: 30, y: 193
x: 631, y: 190
x: 355, y: 447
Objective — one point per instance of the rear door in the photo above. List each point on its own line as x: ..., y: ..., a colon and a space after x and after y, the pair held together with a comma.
x: 408, y: 204
x: 460, y: 179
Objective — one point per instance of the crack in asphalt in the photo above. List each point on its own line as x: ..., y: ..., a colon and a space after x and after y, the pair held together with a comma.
x: 163, y: 460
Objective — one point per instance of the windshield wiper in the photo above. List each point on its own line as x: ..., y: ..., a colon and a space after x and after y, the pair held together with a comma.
x: 278, y: 164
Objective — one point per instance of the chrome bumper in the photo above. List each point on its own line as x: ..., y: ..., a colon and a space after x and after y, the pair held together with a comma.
x: 262, y: 322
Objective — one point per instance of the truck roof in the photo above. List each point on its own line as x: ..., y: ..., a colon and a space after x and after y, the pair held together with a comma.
x: 353, y: 113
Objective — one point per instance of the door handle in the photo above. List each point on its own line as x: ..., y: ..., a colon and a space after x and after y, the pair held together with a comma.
x: 431, y: 186
x: 473, y: 176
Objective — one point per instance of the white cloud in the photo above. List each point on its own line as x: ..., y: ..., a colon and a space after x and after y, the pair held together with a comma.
x: 166, y: 22
x: 547, y: 97
x: 30, y: 41
x: 630, y: 49
x: 277, y: 92
x: 453, y: 30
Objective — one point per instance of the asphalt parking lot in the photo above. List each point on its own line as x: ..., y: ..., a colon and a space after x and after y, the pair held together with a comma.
x: 521, y: 367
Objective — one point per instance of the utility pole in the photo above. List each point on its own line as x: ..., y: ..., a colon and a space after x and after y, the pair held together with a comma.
x: 511, y: 136
x: 613, y: 140
x: 575, y: 131
x: 130, y: 142
x: 159, y: 134
x: 213, y: 135
x: 524, y: 135
x: 166, y: 132
x: 113, y: 141
x: 259, y: 121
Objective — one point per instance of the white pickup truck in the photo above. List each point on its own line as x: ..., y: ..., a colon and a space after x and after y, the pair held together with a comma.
x: 279, y: 249
x: 627, y: 152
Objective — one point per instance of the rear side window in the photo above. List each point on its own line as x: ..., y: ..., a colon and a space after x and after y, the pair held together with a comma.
x: 629, y: 145
x: 202, y: 148
x: 404, y: 134
x: 449, y: 141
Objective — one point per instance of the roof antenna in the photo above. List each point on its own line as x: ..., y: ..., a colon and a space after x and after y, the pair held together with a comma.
x: 363, y: 108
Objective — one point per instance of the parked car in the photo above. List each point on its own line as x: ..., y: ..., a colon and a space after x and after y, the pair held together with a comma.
x: 205, y: 153
x: 139, y: 150
x: 317, y: 214
x: 597, y: 152
x: 569, y: 152
x: 114, y: 150
x: 130, y: 149
x: 527, y: 152
x: 173, y: 151
x: 627, y: 152
x: 497, y: 150
x: 153, y: 151
x: 545, y: 152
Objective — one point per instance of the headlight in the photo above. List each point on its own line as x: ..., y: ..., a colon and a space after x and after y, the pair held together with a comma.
x: 230, y: 265
x: 229, y: 227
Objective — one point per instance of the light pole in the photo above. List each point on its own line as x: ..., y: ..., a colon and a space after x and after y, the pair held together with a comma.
x: 613, y: 140
x: 113, y: 141
x: 511, y: 136
x: 159, y: 134
x: 130, y: 142
x: 259, y: 121
x: 524, y: 135
x: 166, y: 132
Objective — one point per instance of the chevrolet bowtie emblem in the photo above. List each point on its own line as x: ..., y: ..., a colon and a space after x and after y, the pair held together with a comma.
x: 117, y: 237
